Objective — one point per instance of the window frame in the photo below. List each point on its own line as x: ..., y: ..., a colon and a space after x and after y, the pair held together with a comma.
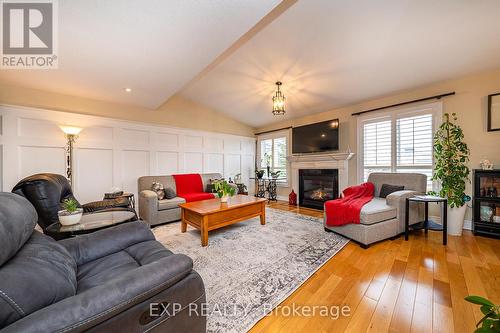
x: 393, y: 114
x: 272, y: 136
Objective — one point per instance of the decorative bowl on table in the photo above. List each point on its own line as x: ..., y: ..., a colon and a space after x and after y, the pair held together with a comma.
x: 70, y: 218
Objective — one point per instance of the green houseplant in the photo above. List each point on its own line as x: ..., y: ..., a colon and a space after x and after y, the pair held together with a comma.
x: 451, y: 156
x: 71, y: 213
x: 224, y: 190
x: 490, y: 323
x: 275, y: 174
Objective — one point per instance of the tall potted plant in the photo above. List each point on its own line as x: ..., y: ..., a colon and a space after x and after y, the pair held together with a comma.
x: 451, y: 156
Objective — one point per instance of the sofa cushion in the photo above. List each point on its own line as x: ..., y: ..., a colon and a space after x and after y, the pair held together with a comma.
x: 17, y: 222
x: 377, y: 210
x: 40, y: 274
x: 170, y: 203
x: 102, y: 270
x: 198, y: 196
x: 387, y: 189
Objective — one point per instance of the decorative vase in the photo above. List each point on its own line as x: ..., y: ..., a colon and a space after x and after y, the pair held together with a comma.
x: 456, y: 217
x: 224, y: 198
x: 268, y: 171
x: 292, y: 198
x: 67, y: 218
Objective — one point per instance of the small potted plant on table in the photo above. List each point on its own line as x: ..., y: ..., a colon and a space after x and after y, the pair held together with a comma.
x: 224, y: 190
x: 71, y: 213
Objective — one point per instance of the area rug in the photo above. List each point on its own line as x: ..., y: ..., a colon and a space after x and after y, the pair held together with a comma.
x: 249, y: 268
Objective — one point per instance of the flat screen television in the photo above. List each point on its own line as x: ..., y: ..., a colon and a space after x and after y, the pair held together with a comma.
x: 316, y: 138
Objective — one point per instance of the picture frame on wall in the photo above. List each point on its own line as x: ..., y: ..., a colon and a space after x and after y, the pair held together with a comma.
x: 494, y: 112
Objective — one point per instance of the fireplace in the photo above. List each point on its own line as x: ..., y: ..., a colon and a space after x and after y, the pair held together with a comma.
x: 317, y: 186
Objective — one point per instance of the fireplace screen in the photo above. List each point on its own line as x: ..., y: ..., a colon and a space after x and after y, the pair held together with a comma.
x: 317, y: 186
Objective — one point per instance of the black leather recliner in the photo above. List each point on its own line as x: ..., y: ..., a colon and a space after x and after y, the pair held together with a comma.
x: 118, y: 279
x: 46, y: 192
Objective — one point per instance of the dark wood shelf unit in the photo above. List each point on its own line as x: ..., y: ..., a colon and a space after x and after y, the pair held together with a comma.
x: 486, y: 203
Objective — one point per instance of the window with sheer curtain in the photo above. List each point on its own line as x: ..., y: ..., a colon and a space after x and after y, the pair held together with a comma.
x: 274, y: 148
x: 399, y: 141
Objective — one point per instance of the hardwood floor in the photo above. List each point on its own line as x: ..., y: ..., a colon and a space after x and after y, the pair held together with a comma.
x: 396, y: 286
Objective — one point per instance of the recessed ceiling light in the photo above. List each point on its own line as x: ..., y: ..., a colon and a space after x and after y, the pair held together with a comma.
x: 128, y: 89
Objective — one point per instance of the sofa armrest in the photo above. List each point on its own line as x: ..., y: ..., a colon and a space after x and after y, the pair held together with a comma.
x: 398, y: 199
x: 96, y: 305
x: 394, y: 198
x: 96, y: 206
x: 148, y: 206
x: 101, y: 243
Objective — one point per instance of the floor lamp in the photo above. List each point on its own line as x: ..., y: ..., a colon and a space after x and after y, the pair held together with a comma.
x: 71, y: 133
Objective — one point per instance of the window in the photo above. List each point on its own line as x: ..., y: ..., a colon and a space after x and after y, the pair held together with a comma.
x: 273, y: 149
x: 399, y: 141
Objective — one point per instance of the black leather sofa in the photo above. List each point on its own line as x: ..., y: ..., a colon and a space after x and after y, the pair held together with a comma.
x: 46, y: 192
x: 107, y: 281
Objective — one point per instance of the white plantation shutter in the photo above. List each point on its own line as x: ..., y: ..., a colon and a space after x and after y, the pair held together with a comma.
x: 377, y: 149
x: 279, y: 156
x: 276, y: 146
x: 414, y: 145
x: 399, y: 141
x: 266, y: 148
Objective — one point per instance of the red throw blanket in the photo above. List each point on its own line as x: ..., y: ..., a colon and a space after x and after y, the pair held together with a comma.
x: 190, y: 187
x: 346, y: 210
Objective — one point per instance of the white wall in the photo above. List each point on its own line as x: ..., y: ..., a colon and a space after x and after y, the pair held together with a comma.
x: 112, y: 153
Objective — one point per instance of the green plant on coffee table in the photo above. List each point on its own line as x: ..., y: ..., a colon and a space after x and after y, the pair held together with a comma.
x: 490, y: 323
x: 451, y: 156
x: 70, y: 205
x: 223, y: 189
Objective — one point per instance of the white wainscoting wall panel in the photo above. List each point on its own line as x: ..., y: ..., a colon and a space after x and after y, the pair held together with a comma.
x: 113, y: 153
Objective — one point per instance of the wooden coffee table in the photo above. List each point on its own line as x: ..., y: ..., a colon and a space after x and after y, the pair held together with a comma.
x: 207, y: 215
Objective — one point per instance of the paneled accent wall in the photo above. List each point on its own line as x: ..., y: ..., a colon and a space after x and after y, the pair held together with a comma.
x: 112, y: 153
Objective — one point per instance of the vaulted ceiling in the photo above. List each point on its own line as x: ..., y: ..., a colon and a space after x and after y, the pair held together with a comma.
x: 331, y: 53
x: 154, y: 47
x: 327, y: 53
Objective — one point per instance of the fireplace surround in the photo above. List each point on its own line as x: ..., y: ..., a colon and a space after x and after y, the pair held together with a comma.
x: 317, y: 186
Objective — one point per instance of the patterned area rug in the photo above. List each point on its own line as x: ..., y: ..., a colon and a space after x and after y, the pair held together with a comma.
x: 248, y: 268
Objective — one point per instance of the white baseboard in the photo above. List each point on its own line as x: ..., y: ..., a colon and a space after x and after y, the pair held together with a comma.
x: 467, y: 223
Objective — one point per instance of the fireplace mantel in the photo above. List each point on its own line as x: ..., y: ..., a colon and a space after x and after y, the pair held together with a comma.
x: 320, y: 157
x: 338, y: 161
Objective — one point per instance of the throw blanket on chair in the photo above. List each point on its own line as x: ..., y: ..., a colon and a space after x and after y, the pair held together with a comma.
x: 346, y: 210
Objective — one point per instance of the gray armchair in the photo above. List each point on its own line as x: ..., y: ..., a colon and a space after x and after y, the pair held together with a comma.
x: 112, y: 280
x: 383, y: 218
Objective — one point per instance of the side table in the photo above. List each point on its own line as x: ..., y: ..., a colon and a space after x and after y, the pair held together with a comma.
x: 426, y: 223
x: 127, y: 195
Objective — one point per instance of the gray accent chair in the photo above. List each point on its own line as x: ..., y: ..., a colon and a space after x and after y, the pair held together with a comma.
x: 106, y: 281
x: 383, y: 218
x: 154, y: 211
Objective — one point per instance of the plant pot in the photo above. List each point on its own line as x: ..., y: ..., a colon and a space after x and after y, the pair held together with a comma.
x: 66, y: 218
x: 456, y: 217
x: 224, y: 198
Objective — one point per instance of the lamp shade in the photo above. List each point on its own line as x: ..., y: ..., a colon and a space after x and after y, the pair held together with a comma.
x: 70, y: 130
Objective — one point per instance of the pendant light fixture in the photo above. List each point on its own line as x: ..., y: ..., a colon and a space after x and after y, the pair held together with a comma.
x: 278, y: 101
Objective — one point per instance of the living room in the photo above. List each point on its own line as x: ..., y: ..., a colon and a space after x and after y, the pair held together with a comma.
x: 250, y: 166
